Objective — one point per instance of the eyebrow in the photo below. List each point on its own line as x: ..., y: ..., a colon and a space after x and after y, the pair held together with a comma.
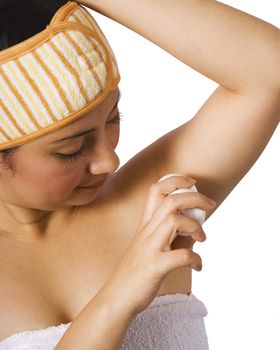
x: 87, y: 131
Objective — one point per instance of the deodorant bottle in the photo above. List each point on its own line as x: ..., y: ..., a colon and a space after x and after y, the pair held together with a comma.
x: 195, y: 213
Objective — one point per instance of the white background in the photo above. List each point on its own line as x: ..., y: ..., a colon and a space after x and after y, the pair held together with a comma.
x: 239, y: 283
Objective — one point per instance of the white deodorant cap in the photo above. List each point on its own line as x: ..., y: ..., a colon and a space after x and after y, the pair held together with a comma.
x: 196, y: 213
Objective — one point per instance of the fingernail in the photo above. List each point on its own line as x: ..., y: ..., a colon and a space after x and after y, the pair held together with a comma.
x: 212, y: 203
x: 191, y: 180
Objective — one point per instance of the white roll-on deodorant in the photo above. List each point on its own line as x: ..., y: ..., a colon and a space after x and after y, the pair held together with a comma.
x: 195, y: 213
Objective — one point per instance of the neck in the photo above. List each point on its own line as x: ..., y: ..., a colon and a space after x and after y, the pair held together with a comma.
x: 24, y: 216
x: 24, y: 223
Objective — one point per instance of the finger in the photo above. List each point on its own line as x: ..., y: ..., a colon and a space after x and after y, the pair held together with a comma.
x: 162, y: 237
x: 176, y: 203
x: 174, y: 259
x: 182, y: 242
x: 175, y: 179
x: 160, y: 190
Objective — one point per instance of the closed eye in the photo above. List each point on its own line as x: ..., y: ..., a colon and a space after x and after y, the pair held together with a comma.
x: 82, y: 151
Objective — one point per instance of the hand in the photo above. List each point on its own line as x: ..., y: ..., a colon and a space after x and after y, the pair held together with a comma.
x: 149, y: 258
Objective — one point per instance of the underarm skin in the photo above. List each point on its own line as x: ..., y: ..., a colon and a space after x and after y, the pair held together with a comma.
x: 233, y: 48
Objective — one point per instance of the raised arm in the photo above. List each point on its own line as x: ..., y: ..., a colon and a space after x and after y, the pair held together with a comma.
x: 235, y: 49
x: 230, y: 131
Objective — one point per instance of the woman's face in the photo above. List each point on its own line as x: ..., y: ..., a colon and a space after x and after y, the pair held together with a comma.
x: 45, y: 178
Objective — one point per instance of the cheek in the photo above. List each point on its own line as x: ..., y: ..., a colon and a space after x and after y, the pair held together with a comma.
x: 49, y: 176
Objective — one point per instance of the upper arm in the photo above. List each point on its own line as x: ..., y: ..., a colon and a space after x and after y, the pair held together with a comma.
x: 217, y: 147
x: 221, y: 142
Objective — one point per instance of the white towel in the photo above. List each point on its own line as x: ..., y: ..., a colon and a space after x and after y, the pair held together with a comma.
x: 170, y: 322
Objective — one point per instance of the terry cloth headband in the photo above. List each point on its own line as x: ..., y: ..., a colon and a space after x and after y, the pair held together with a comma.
x: 54, y: 77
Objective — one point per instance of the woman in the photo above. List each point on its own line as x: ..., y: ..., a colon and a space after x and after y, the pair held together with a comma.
x: 94, y: 279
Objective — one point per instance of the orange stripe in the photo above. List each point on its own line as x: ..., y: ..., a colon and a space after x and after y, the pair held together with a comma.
x: 90, y: 19
x: 54, y: 80
x: 76, y: 18
x: 11, y: 118
x: 71, y: 69
x: 101, y: 34
x: 20, y: 99
x: 5, y: 135
x: 36, y: 89
x: 96, y: 28
x: 88, y: 62
x: 101, y: 53
x: 83, y: 12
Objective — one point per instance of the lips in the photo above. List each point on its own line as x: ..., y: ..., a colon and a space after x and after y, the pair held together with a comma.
x: 95, y: 184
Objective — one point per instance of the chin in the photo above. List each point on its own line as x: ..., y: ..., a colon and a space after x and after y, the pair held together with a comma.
x: 83, y: 200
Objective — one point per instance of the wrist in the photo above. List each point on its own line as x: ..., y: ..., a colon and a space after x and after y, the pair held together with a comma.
x: 115, y: 304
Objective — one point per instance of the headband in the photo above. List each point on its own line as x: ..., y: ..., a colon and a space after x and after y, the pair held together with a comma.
x: 54, y: 77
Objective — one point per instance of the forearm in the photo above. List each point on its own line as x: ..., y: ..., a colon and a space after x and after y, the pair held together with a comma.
x: 237, y: 50
x: 102, y: 324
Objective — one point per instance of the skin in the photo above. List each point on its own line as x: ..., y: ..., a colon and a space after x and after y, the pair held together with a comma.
x: 43, y: 184
x: 227, y: 135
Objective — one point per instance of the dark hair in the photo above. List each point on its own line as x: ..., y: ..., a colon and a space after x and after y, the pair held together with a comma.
x: 19, y: 20
x: 7, y: 155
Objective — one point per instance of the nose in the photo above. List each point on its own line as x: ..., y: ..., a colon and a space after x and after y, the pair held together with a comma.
x: 104, y: 159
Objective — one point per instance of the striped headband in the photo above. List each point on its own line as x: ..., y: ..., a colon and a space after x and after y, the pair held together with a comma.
x: 54, y: 77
